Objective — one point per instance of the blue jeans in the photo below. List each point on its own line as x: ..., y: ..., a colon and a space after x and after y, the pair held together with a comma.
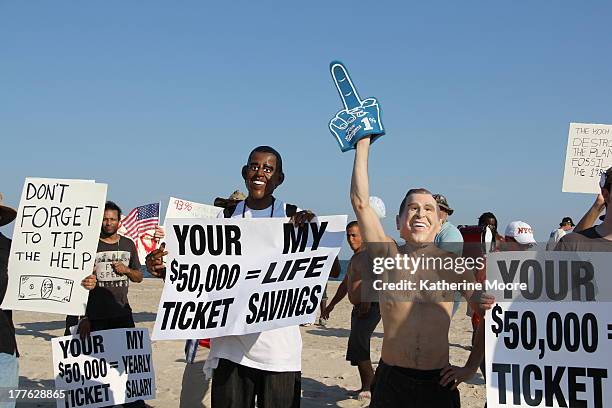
x: 9, y: 375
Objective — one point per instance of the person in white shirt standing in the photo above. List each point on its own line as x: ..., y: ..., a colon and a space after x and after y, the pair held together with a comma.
x: 564, y: 227
x: 265, y: 366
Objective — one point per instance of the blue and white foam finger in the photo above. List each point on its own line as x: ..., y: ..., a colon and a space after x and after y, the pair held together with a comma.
x: 359, y: 118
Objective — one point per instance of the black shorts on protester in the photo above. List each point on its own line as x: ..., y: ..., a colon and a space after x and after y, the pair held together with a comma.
x: 399, y: 387
x: 235, y: 386
x: 121, y: 322
x: 358, y: 348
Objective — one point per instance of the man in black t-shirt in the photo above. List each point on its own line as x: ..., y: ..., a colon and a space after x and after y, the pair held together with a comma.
x: 116, y: 265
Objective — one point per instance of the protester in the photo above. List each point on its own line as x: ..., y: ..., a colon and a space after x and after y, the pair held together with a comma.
x: 489, y: 219
x: 365, y: 315
x: 414, y: 370
x: 265, y: 366
x: 116, y: 265
x: 565, y: 225
x: 379, y: 208
x: 518, y: 237
x: 9, y: 363
x: 353, y: 237
x: 597, y: 238
x: 448, y: 238
x: 590, y: 217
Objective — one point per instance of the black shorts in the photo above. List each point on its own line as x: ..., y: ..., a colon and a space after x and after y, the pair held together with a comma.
x: 358, y: 348
x: 409, y: 388
x: 235, y: 386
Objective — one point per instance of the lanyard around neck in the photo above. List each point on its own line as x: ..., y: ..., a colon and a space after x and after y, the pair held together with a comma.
x: 271, y: 212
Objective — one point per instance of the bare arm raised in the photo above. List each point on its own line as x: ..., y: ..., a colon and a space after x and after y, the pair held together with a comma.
x: 590, y: 218
x: 369, y: 223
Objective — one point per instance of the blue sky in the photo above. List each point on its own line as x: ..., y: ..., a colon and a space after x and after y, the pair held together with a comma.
x: 167, y: 98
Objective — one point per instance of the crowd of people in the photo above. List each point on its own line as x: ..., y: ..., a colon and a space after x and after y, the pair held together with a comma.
x: 265, y: 368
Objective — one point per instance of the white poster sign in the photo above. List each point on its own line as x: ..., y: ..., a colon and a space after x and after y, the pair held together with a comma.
x: 232, y: 276
x: 109, y: 367
x: 54, y: 245
x: 589, y: 153
x: 179, y: 208
x: 548, y: 338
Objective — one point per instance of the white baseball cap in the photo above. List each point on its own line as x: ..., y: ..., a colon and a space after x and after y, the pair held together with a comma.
x: 521, y: 232
x: 378, y: 206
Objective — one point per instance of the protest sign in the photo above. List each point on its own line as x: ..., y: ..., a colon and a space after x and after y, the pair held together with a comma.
x: 588, y: 155
x: 238, y: 276
x: 179, y: 208
x: 54, y: 245
x: 549, y: 335
x: 107, y: 368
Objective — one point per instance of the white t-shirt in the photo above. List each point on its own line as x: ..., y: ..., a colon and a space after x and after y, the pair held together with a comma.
x: 555, y: 236
x: 273, y: 350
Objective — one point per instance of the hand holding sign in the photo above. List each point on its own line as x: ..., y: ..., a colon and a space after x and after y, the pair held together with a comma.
x: 359, y: 118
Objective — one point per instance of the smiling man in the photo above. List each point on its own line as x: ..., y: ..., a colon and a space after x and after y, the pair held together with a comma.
x: 265, y: 365
x: 414, y: 370
x: 262, y: 366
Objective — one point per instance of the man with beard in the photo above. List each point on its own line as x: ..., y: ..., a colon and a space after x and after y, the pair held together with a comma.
x: 414, y: 370
x: 108, y: 306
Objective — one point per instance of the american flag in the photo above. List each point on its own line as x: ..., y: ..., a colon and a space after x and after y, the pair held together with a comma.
x: 141, y: 219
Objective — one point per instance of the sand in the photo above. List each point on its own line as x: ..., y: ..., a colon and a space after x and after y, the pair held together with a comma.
x: 327, y: 378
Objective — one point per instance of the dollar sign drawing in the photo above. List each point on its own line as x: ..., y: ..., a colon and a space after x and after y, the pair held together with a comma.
x: 499, y: 324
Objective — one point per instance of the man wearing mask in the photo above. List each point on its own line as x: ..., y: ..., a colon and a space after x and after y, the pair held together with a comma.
x: 265, y: 366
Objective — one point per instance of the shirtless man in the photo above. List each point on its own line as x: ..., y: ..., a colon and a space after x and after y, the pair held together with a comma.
x: 366, y: 313
x: 414, y: 370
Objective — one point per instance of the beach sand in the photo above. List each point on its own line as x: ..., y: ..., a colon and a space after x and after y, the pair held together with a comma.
x: 327, y: 378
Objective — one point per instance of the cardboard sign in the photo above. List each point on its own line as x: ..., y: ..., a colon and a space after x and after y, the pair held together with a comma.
x: 589, y: 154
x: 232, y: 276
x: 548, y: 341
x: 179, y: 208
x: 107, y: 368
x: 54, y: 245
